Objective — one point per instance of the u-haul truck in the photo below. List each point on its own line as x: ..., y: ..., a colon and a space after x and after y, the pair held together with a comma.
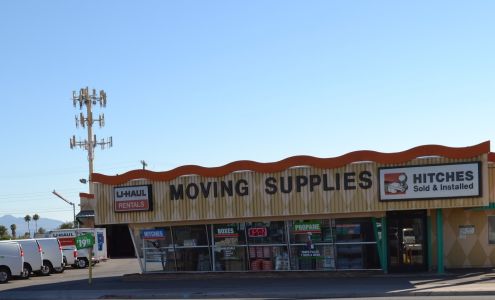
x: 67, y: 241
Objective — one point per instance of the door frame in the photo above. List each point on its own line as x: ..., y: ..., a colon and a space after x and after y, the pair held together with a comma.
x: 400, y: 216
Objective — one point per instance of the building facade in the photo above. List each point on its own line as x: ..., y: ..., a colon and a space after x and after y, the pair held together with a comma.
x: 426, y: 208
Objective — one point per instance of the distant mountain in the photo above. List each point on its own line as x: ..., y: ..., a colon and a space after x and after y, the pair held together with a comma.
x: 48, y: 224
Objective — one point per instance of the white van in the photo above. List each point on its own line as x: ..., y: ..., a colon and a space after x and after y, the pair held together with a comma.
x: 67, y: 238
x: 70, y: 256
x: 83, y: 258
x: 33, y: 257
x: 11, y: 260
x: 53, y: 257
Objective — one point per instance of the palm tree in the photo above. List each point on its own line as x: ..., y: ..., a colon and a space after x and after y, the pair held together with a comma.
x: 3, y: 232
x: 27, y: 218
x: 13, y: 228
x: 36, y: 217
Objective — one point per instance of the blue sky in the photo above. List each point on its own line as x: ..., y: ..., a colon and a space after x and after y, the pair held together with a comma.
x: 211, y: 82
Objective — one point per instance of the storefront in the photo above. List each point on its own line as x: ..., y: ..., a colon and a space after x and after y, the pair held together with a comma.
x: 421, y: 209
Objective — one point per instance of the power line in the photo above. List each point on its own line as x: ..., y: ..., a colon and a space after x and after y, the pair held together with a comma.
x: 34, y: 195
x: 26, y: 211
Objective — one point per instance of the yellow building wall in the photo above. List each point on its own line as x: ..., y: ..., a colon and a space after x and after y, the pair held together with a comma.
x: 258, y: 204
x: 467, y: 250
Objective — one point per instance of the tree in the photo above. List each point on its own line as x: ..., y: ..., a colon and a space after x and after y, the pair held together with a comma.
x: 27, y: 219
x: 13, y: 229
x: 66, y: 225
x: 3, y: 232
x: 41, y: 230
x: 36, y: 217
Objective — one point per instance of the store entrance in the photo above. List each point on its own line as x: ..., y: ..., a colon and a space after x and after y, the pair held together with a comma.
x: 407, y: 241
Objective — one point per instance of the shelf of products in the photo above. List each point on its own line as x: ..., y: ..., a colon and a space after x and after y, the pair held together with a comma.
x: 268, y: 258
x: 349, y: 256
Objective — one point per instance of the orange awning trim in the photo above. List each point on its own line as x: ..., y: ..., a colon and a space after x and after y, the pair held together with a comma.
x: 322, y: 163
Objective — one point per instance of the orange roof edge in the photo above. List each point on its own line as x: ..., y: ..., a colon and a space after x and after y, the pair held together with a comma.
x: 324, y: 163
x: 85, y: 195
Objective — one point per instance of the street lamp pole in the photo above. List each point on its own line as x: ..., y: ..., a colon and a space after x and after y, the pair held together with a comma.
x: 76, y: 224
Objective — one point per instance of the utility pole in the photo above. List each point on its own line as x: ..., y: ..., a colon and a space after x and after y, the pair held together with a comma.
x: 87, y: 99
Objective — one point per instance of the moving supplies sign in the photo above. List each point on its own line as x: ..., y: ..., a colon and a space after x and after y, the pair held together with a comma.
x: 132, y: 198
x: 431, y: 181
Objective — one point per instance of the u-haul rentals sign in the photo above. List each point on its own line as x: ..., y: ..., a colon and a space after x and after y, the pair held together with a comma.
x: 132, y: 198
x: 431, y: 181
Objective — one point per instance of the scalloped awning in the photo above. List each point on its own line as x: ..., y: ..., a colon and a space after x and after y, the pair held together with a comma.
x: 324, y: 163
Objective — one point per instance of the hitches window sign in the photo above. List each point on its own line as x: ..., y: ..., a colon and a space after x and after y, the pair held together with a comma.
x: 133, y: 198
x: 431, y: 181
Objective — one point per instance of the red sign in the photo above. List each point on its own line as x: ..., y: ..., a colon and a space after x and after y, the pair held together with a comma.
x: 66, y: 241
x: 131, y: 205
x: 257, y: 232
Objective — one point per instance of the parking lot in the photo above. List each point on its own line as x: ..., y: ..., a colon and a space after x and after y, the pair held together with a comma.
x: 109, y: 268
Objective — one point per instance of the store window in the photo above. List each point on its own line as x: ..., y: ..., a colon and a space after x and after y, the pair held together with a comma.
x: 267, y: 246
x: 491, y: 230
x: 356, y: 244
x: 229, y: 247
x: 322, y: 244
x: 312, y: 245
x: 192, y: 251
x: 157, y: 249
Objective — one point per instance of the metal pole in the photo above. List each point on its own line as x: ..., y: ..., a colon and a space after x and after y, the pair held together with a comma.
x: 76, y: 223
x: 440, y: 265
x: 91, y: 141
x: 90, y: 267
x: 70, y: 203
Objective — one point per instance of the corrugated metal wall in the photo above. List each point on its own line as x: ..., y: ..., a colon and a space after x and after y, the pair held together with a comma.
x: 491, y: 182
x: 261, y: 204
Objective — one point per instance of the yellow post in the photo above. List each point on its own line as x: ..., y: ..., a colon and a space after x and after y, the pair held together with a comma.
x: 90, y: 267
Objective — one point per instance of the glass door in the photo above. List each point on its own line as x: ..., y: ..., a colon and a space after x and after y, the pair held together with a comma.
x: 407, y: 241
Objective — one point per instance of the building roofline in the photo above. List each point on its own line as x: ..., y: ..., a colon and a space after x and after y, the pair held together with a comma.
x: 323, y: 163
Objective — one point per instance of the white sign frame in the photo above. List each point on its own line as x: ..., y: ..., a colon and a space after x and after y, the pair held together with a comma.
x: 436, y: 181
x: 143, y: 197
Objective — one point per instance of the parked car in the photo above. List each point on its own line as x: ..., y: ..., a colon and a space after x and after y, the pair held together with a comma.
x: 33, y: 257
x: 11, y: 261
x: 70, y: 256
x: 53, y: 257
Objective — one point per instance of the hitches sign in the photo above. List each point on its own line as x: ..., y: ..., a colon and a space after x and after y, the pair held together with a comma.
x: 132, y: 198
x: 431, y: 181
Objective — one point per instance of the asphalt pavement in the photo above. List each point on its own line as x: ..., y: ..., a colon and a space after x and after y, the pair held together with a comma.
x: 118, y: 279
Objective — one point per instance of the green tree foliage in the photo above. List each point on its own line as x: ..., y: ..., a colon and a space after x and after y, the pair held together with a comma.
x: 41, y: 230
x: 66, y: 225
x: 27, y: 219
x: 36, y: 217
x: 4, y: 234
x: 13, y: 229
